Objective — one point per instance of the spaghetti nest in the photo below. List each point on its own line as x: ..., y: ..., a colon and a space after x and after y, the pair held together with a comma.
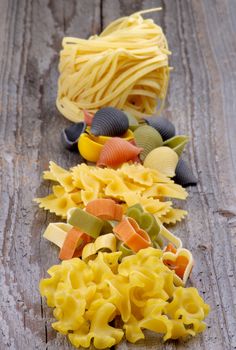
x: 126, y: 67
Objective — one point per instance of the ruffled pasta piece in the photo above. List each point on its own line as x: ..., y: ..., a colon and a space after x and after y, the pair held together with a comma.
x: 141, y: 175
x: 133, y: 331
x: 101, y: 270
x: 140, y: 290
x: 190, y: 307
x: 58, y: 191
x: 133, y: 187
x: 129, y: 184
x: 48, y: 175
x: 84, y: 179
x: 120, y: 296
x: 88, y: 196
x: 117, y: 189
x: 173, y: 215
x: 58, y: 206
x: 159, y: 324
x: 76, y: 197
x: 112, y: 260
x: 171, y: 190
x: 155, y: 207
x: 63, y: 176
x: 105, y: 176
x: 100, y: 331
x: 68, y: 311
x: 151, y: 205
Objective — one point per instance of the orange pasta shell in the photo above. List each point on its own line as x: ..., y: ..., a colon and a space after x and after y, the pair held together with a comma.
x: 117, y: 151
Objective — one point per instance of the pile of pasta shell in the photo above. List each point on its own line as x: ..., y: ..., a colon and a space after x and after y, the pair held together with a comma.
x: 112, y: 137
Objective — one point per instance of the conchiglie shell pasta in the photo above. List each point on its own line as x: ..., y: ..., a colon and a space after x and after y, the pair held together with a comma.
x: 163, y: 159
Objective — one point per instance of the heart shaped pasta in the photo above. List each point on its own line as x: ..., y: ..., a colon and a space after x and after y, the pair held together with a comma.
x: 181, y: 261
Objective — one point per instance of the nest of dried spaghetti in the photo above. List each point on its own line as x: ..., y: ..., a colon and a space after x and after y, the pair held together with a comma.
x: 126, y: 66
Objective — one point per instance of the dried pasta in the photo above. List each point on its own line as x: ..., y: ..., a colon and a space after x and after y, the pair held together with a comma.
x: 173, y: 215
x: 126, y: 66
x: 129, y: 184
x: 140, y: 291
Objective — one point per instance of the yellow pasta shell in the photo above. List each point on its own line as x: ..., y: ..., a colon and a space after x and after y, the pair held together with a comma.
x: 163, y: 159
x: 88, y: 148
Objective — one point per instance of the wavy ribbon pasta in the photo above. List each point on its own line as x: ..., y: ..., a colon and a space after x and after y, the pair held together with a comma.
x: 126, y: 66
x: 140, y: 290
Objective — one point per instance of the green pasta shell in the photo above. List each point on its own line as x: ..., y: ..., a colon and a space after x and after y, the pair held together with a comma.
x: 147, y: 138
x: 133, y: 122
x: 177, y: 143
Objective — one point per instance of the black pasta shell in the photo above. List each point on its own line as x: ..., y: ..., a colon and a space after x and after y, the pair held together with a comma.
x: 109, y: 121
x: 70, y: 135
x: 184, y: 175
x: 162, y: 125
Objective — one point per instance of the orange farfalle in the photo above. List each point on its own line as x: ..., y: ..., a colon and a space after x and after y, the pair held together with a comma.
x: 106, y: 209
x: 117, y: 151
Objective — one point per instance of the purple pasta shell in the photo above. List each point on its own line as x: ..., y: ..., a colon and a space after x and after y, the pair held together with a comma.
x: 70, y: 135
x: 184, y: 175
x: 162, y: 125
x: 109, y: 121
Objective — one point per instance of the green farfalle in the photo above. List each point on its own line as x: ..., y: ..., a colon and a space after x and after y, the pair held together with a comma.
x: 145, y: 220
x: 177, y: 143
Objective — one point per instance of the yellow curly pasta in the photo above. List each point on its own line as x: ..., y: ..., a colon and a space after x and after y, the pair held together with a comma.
x: 140, y: 291
x: 130, y: 184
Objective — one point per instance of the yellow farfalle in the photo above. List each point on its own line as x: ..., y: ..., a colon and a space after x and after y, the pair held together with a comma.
x: 143, y: 176
x: 129, y: 184
x: 166, y: 190
x: 140, y: 290
x: 57, y: 205
x: 173, y: 215
x: 63, y: 176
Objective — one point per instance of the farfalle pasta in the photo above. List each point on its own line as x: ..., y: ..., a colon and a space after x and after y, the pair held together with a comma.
x: 173, y: 215
x: 140, y: 291
x: 129, y: 184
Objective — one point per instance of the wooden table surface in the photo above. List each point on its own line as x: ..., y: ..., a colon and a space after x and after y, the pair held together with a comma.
x: 201, y: 102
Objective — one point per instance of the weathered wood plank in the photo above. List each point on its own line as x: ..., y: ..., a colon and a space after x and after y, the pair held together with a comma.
x: 31, y: 33
x: 201, y: 102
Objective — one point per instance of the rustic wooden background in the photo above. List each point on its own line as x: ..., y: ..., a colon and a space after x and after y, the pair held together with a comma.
x: 201, y: 102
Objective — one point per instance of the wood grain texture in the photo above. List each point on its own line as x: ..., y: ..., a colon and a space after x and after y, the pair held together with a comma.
x: 201, y: 102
